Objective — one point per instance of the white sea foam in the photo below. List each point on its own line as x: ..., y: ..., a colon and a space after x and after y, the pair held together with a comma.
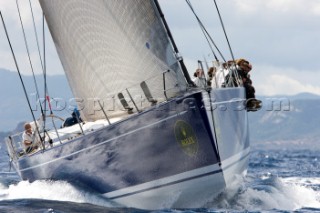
x: 276, y: 193
x: 2, y: 186
x: 271, y: 193
x: 285, y: 194
x: 169, y: 201
x: 51, y: 190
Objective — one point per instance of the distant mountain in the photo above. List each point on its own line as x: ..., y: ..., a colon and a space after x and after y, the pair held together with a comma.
x: 305, y: 96
x: 297, y: 120
x: 13, y: 105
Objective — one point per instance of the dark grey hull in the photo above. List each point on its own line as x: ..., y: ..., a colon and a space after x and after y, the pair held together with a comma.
x: 182, y: 148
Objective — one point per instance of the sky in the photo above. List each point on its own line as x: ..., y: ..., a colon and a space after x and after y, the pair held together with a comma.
x: 279, y: 37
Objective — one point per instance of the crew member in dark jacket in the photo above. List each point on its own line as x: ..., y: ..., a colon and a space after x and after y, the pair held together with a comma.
x: 73, y: 120
x: 243, y: 69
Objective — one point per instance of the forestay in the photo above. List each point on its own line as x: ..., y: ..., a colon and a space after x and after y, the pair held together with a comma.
x: 108, y: 46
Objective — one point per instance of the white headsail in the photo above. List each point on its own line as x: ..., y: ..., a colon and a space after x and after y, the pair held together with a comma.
x: 108, y: 46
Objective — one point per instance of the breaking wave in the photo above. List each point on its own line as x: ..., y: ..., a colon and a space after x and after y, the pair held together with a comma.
x: 51, y: 190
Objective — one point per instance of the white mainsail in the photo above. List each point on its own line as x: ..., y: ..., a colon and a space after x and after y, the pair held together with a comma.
x: 111, y: 46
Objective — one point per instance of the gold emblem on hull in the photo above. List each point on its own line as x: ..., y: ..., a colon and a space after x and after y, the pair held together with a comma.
x: 186, y: 138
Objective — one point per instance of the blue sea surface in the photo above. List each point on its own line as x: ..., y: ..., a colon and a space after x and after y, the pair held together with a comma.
x: 284, y: 180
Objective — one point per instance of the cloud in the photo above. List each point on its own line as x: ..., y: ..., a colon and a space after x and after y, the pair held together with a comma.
x: 11, y: 15
x: 277, y: 7
x: 247, y: 7
x: 269, y: 80
x: 7, y: 6
x: 283, y: 84
x: 279, y: 37
x: 316, y: 9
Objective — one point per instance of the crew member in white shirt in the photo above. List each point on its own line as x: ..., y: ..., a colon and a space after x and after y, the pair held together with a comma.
x: 29, y: 139
x: 200, y: 80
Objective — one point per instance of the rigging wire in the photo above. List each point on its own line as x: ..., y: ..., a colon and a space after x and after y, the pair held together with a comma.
x: 224, y: 29
x: 24, y: 88
x: 27, y: 48
x: 46, y: 91
x: 47, y: 97
x: 28, y: 52
x: 206, y: 32
x: 44, y: 71
x: 42, y: 66
x: 206, y: 36
x: 229, y: 45
x: 36, y: 34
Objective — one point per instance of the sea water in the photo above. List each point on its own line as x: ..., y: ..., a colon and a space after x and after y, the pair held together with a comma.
x: 277, y: 181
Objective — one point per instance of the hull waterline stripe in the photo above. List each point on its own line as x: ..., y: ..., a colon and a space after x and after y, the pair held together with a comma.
x: 236, y: 161
x: 107, y: 141
x: 168, y: 184
x: 230, y: 163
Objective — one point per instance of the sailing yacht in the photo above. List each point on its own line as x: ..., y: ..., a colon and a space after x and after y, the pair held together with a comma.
x: 150, y: 139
